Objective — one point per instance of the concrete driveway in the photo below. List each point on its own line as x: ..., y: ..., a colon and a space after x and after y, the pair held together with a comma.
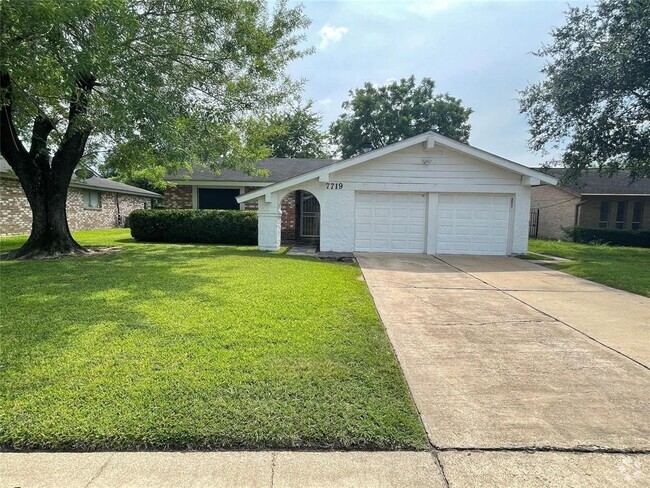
x: 503, y: 356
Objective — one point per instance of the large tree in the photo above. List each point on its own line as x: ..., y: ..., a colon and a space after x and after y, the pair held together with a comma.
x: 180, y: 81
x: 296, y: 133
x: 379, y: 115
x: 593, y: 104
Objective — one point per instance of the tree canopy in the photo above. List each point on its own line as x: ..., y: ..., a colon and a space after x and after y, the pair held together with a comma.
x: 178, y: 82
x: 379, y: 115
x: 296, y: 133
x: 594, y: 101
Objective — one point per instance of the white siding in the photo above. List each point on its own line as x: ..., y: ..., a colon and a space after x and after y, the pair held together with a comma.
x: 446, y: 168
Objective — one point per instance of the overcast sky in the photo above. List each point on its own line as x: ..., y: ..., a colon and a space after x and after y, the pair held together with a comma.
x: 478, y: 51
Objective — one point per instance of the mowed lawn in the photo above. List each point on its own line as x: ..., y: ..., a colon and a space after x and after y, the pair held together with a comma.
x: 626, y: 268
x: 195, y: 347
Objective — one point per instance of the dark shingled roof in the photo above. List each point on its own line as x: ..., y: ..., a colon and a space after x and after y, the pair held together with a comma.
x: 279, y: 169
x: 95, y: 183
x: 592, y: 182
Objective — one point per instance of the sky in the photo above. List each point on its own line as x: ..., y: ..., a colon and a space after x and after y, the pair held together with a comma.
x: 475, y: 50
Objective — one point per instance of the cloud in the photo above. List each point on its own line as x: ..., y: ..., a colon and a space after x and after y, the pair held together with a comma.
x: 330, y: 34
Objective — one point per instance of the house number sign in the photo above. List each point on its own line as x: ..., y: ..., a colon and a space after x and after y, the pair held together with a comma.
x: 334, y: 186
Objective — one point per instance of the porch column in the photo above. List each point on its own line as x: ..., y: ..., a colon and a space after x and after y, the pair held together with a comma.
x: 269, y: 223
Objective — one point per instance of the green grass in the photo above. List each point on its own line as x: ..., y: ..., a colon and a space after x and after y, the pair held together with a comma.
x: 195, y: 347
x: 625, y: 268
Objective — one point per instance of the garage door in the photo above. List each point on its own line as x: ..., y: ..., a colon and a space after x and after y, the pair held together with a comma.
x: 390, y: 222
x: 472, y: 224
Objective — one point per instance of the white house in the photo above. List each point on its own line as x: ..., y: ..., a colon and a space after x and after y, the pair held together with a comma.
x: 426, y: 194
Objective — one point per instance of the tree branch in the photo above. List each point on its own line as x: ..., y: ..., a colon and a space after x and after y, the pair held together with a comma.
x: 11, y: 146
x: 72, y: 145
x: 38, y: 149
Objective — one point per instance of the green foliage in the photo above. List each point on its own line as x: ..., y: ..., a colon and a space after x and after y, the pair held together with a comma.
x: 296, y: 133
x: 179, y: 82
x: 614, y: 237
x: 194, y: 226
x: 594, y: 102
x: 625, y: 268
x: 380, y: 115
x: 170, y: 346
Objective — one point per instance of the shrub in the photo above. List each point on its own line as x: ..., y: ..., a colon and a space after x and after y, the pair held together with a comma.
x: 614, y: 237
x: 198, y: 226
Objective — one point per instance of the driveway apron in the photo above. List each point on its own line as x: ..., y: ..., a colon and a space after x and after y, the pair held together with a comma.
x: 496, y: 360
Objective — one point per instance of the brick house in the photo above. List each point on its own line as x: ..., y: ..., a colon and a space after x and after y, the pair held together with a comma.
x: 591, y: 201
x: 203, y: 189
x: 93, y: 203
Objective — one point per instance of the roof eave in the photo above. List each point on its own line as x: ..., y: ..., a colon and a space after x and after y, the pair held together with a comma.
x: 148, y: 194
x: 377, y: 153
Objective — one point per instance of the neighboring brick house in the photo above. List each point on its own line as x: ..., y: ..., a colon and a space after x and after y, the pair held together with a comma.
x: 93, y: 203
x: 203, y: 189
x: 591, y: 201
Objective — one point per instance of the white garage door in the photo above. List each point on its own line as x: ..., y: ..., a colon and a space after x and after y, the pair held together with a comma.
x: 472, y: 224
x: 390, y: 222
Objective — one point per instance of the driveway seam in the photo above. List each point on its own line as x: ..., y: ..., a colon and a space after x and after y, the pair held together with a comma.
x: 438, y: 462
x: 549, y: 315
x: 575, y: 450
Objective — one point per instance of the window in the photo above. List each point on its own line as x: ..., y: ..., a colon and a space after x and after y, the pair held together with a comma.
x: 604, y: 214
x: 637, y: 215
x: 92, y: 199
x: 621, y: 212
x: 218, y: 198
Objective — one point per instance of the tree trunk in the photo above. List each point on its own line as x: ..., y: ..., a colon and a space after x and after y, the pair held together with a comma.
x: 46, y: 182
x: 50, y: 236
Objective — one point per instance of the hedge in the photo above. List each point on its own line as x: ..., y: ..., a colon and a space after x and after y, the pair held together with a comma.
x: 614, y: 237
x: 197, y: 226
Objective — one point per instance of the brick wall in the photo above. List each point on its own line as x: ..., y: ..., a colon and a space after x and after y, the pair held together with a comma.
x: 252, y: 204
x: 557, y: 209
x: 179, y: 196
x: 16, y: 216
x: 288, y: 206
x: 590, y: 211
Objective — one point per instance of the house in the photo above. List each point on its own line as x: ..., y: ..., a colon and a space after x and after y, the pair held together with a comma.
x: 203, y: 189
x: 426, y: 194
x: 93, y: 203
x: 592, y: 201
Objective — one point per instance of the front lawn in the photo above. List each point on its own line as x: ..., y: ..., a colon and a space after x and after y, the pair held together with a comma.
x: 164, y: 346
x: 625, y: 268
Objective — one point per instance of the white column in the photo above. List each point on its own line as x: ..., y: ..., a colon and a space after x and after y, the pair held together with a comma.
x: 432, y: 223
x: 269, y: 223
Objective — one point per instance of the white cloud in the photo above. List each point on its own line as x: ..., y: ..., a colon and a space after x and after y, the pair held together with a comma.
x: 330, y: 34
x: 324, y: 102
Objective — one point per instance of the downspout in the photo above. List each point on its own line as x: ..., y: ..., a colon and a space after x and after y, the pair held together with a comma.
x: 117, y: 205
x: 576, y: 219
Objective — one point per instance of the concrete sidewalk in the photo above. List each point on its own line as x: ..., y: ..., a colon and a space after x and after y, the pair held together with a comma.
x: 220, y: 469
x: 322, y: 470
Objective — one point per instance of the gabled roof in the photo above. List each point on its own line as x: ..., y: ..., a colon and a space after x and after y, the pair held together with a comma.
x: 93, y: 183
x: 591, y: 183
x: 430, y: 138
x: 279, y: 169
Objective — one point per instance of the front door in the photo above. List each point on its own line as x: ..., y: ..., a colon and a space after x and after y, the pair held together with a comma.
x: 309, y: 216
